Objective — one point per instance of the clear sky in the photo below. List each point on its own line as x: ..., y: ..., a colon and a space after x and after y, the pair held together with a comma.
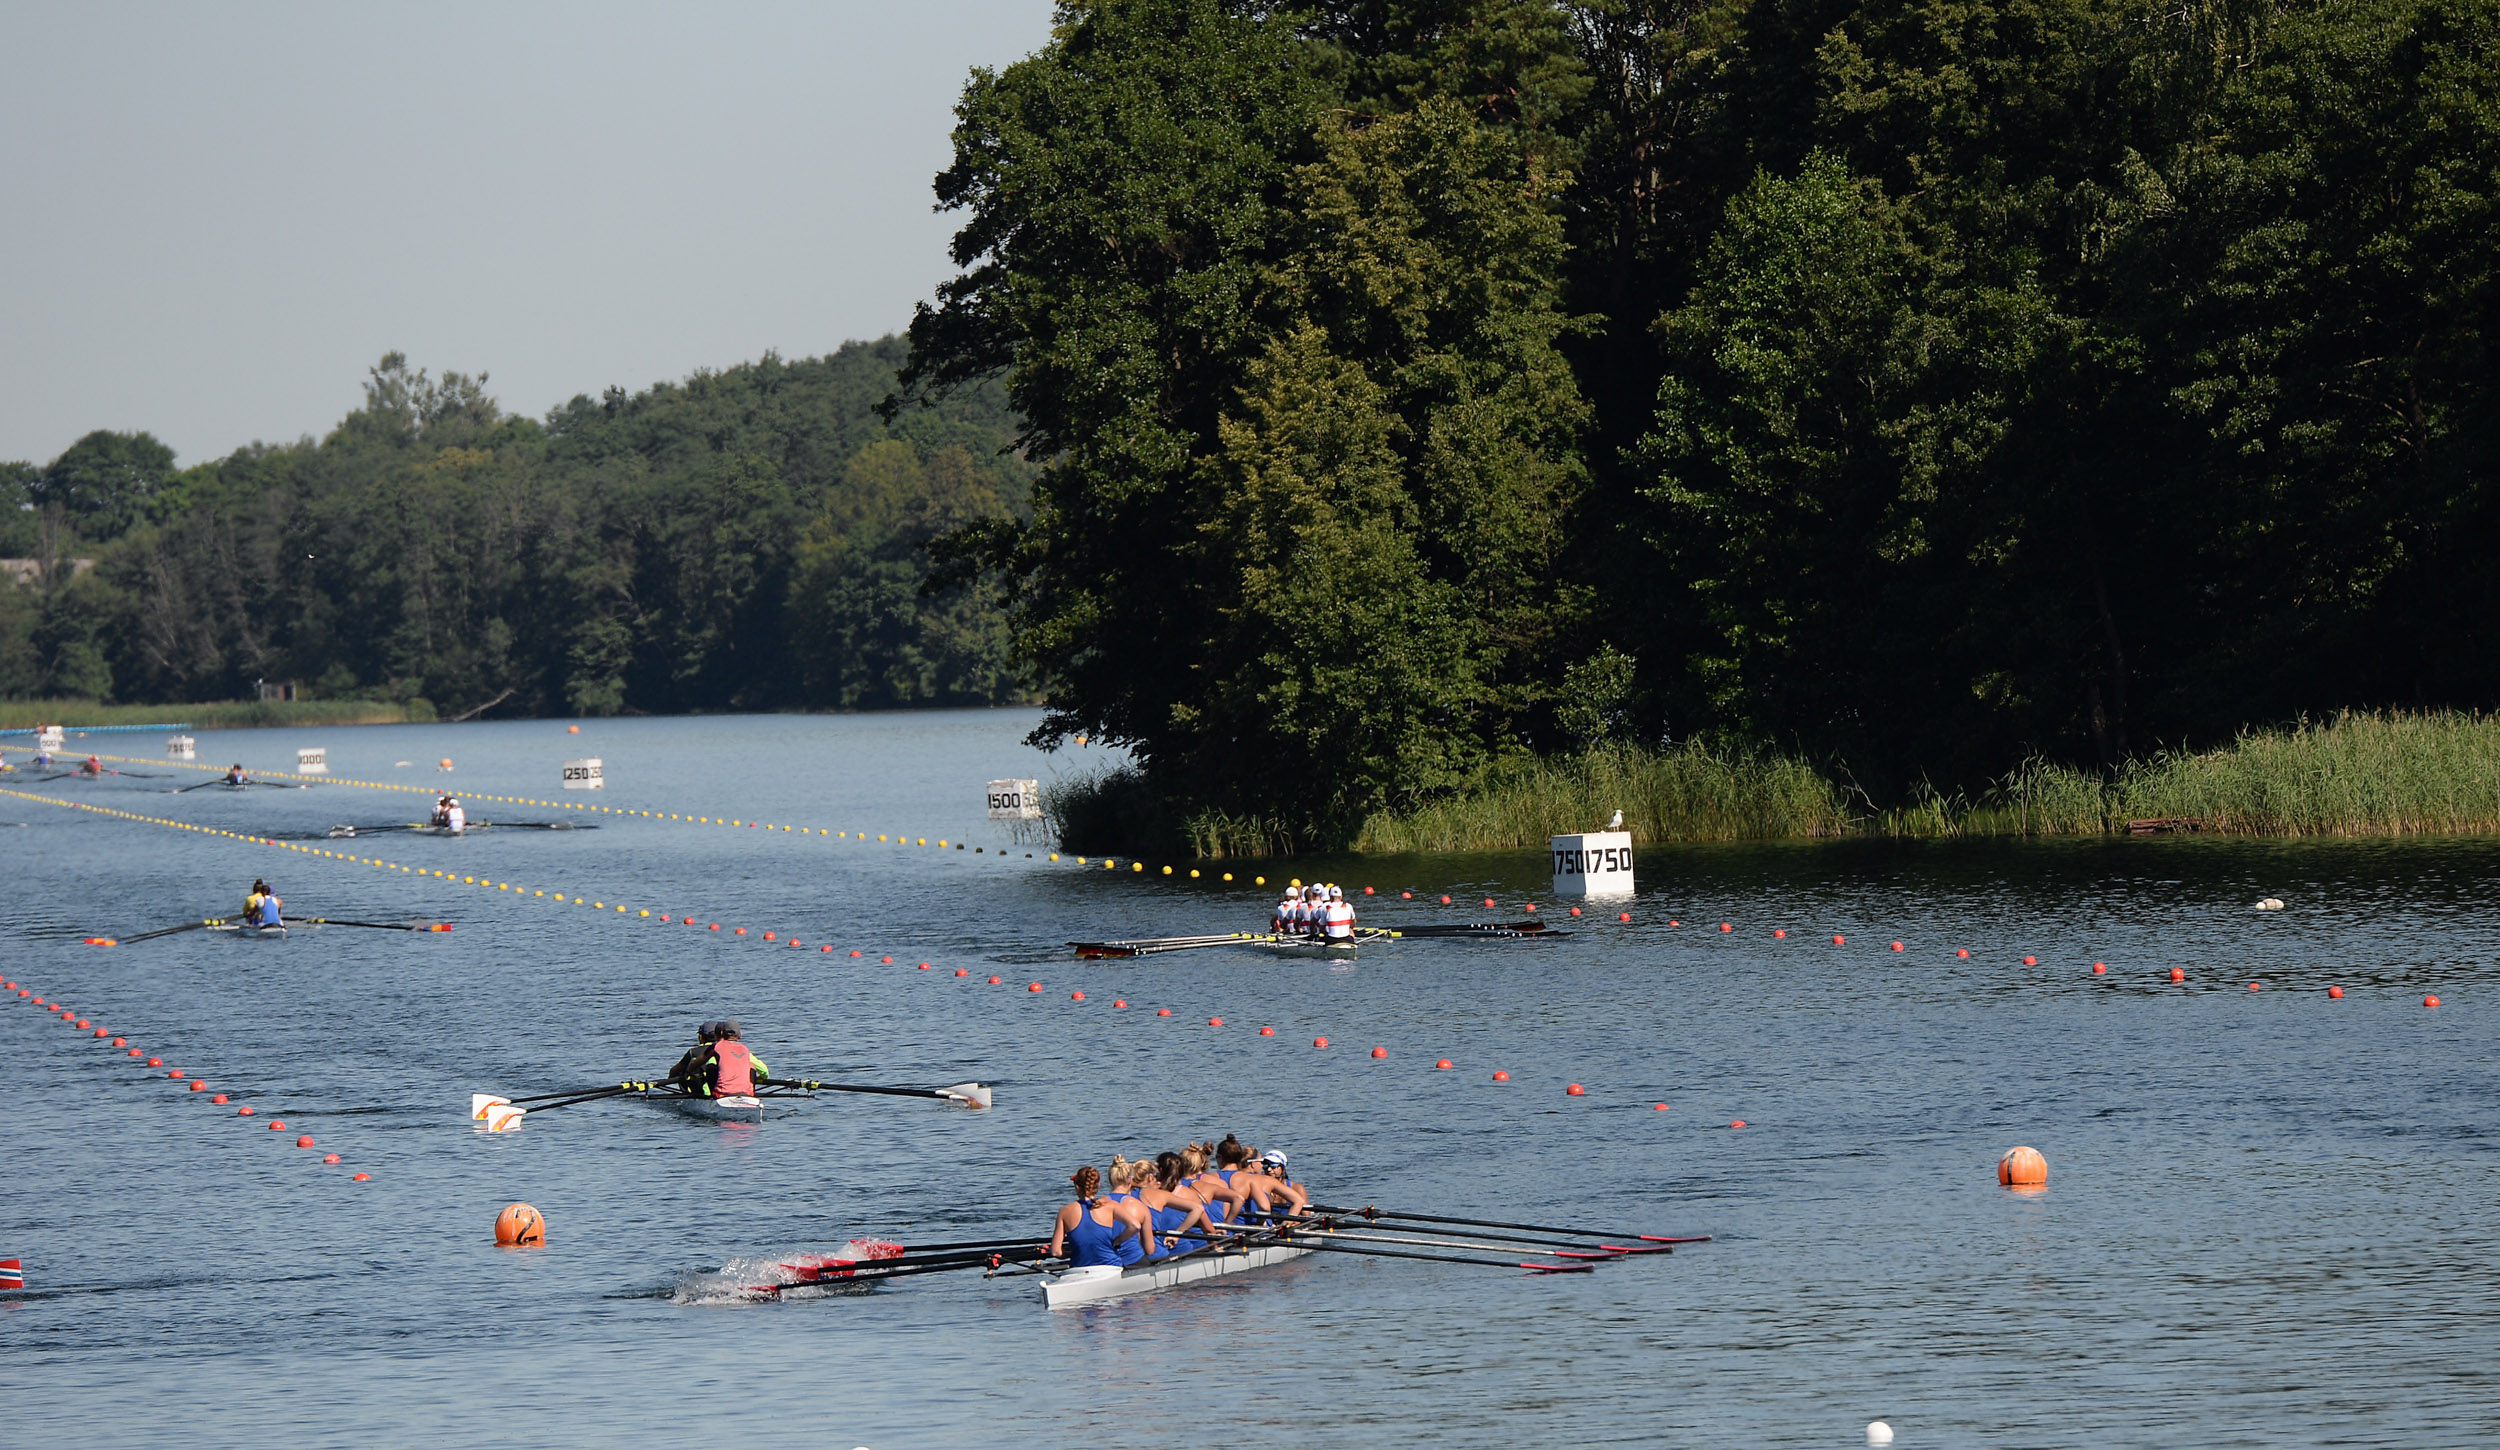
x: 215, y: 217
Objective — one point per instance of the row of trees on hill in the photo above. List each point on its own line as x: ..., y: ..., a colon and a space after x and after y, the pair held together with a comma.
x: 1921, y: 386
x: 746, y: 539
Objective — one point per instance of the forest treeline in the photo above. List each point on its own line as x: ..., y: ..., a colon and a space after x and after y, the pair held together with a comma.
x: 746, y: 539
x: 1919, y: 389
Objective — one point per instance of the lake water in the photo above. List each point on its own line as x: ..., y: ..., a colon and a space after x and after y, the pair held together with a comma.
x: 2268, y: 1220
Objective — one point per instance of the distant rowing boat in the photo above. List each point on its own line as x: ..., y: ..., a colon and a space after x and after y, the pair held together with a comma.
x: 1097, y: 1283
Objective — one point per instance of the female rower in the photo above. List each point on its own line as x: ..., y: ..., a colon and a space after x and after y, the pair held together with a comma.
x: 1127, y: 1178
x: 1222, y: 1200
x: 1179, y: 1215
x: 1091, y: 1232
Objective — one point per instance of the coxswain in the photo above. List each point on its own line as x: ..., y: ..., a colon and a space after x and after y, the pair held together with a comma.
x: 1090, y: 1232
x: 1269, y: 1185
x: 688, y: 1073
x: 235, y: 775
x: 731, y: 1071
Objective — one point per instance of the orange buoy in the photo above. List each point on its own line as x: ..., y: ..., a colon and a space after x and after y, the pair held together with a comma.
x: 1575, y: 1090
x: 2430, y: 1001
x: 1380, y: 1052
x: 2335, y: 992
x: 1119, y: 1002
x: 362, y: 1177
x: 1215, y: 1022
x: 1442, y: 1065
x: 2031, y: 961
x: 2022, y: 1168
x: 1780, y: 932
x: 1501, y: 1077
x: 2178, y: 974
x: 1267, y: 1032
x: 2100, y: 969
x: 1962, y: 952
x: 1319, y: 1042
x: 520, y: 1226
x: 1740, y: 1122
x: 1163, y: 1011
x: 1896, y: 946
x: 1076, y: 996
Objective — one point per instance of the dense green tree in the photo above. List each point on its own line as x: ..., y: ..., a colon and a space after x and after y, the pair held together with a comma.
x: 634, y: 553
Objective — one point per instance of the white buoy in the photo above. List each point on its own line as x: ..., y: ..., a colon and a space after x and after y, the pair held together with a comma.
x: 1878, y: 1433
x: 2270, y: 904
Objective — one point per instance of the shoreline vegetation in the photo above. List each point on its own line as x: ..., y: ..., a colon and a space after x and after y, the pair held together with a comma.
x: 2354, y: 774
x: 212, y: 715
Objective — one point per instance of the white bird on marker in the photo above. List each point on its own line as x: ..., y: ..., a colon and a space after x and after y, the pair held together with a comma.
x: 1617, y: 823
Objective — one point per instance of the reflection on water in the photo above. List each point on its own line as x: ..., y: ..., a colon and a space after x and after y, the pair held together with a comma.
x: 2266, y: 1220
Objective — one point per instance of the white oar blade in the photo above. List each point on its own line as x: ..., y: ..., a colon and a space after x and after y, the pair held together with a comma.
x: 501, y: 1118
x: 480, y: 1102
x: 970, y: 1094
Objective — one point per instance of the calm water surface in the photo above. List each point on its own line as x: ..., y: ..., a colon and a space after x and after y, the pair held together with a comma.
x: 2269, y: 1220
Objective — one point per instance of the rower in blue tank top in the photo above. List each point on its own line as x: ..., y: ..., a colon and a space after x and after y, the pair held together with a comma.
x: 1089, y: 1241
x: 1179, y: 1215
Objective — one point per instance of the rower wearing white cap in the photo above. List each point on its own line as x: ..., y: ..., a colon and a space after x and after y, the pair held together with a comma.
x: 1282, y: 924
x: 1272, y: 1189
x: 1337, y: 918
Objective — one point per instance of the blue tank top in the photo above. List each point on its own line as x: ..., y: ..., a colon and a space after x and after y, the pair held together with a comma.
x: 1216, y: 1208
x: 1168, y: 1220
x: 1092, y: 1244
x: 268, y: 913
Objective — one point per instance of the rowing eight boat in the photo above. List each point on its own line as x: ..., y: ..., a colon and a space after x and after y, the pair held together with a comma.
x: 1097, y: 1283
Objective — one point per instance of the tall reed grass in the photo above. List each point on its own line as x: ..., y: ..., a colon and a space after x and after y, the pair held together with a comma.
x: 2356, y: 774
x: 1691, y: 792
x: 212, y: 715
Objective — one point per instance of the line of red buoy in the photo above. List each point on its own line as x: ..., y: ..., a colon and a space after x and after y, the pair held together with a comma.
x: 190, y: 1083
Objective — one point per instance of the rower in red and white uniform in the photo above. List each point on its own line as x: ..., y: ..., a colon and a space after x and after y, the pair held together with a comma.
x: 1337, y: 917
x: 1281, y: 924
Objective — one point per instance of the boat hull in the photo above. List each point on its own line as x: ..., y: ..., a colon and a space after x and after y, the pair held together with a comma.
x: 1102, y: 1283
x: 713, y: 1110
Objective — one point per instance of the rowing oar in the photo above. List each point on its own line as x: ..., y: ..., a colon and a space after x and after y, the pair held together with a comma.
x: 970, y: 1094
x: 203, y: 785
x: 376, y: 925
x: 844, y: 1268
x: 1476, y: 928
x: 1495, y: 1243
x: 1296, y: 1241
x: 1095, y: 950
x: 868, y: 1271
x: 482, y: 1105
x: 1534, y: 1228
x: 106, y: 941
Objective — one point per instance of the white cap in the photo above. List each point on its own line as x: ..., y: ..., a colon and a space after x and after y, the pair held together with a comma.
x: 1336, y: 893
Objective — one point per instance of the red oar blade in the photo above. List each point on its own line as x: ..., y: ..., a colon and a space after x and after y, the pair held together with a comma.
x: 1691, y: 1239
x: 1560, y: 1268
